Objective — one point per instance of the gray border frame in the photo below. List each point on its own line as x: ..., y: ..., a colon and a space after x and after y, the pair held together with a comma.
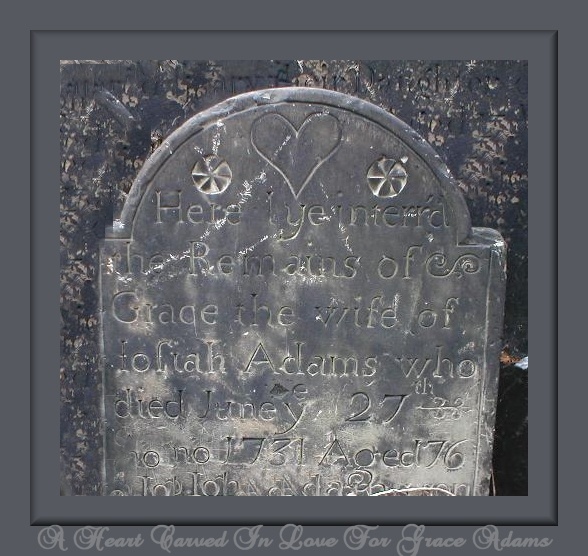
x: 538, y: 507
x: 538, y: 47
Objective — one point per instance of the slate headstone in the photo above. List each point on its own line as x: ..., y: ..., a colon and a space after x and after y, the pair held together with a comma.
x: 294, y: 302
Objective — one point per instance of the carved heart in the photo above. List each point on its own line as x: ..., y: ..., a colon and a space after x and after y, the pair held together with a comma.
x: 296, y: 153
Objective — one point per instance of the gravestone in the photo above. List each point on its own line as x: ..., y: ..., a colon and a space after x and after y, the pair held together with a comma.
x: 294, y: 302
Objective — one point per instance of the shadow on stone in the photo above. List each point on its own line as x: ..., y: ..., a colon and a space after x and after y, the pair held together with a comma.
x: 510, y: 459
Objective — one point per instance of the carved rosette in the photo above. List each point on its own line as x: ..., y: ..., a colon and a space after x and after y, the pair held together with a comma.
x: 211, y: 174
x: 387, y: 176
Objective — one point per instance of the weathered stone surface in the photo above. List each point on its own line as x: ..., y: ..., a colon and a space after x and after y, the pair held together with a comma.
x: 294, y: 302
x: 114, y: 114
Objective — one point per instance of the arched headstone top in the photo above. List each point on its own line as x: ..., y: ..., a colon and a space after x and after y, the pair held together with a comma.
x: 301, y: 137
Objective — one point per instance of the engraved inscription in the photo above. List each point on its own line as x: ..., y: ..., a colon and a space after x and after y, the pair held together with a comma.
x: 286, y: 311
x: 444, y: 409
x: 385, y: 410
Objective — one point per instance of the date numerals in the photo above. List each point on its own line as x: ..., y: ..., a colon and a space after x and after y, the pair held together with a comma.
x: 277, y: 451
x: 383, y: 411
